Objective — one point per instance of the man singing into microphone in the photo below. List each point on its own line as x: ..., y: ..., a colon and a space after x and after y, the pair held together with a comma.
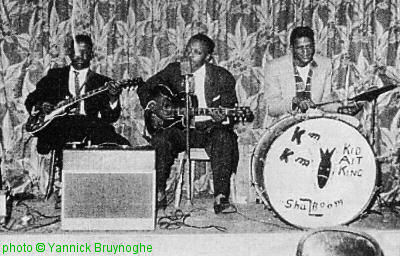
x: 214, y: 87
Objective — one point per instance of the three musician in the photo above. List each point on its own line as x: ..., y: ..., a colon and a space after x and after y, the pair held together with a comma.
x: 293, y: 83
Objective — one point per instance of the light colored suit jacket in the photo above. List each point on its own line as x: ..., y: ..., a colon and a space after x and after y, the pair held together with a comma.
x: 280, y: 87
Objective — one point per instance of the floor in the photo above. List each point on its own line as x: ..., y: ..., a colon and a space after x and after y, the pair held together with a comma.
x: 37, y: 215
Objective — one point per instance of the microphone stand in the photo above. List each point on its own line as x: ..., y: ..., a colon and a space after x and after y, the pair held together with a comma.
x: 187, y: 116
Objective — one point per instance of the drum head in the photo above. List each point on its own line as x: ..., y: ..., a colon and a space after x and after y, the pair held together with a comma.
x: 315, y: 172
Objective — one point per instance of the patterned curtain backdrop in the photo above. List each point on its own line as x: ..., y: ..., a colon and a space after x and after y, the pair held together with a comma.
x: 140, y: 37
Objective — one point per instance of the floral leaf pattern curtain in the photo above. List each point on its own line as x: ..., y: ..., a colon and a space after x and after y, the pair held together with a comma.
x: 140, y: 37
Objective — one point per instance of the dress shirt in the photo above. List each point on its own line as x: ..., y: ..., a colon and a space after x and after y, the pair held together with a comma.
x: 199, y: 79
x: 82, y: 79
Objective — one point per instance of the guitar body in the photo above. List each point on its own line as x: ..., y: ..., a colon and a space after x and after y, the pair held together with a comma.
x: 169, y: 111
x: 162, y: 117
x: 36, y: 123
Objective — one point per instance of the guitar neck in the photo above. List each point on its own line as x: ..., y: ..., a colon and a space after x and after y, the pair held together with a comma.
x: 89, y: 94
x: 204, y: 111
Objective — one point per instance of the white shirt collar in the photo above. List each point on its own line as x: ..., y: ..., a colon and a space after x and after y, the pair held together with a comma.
x: 81, y: 72
x: 201, y: 70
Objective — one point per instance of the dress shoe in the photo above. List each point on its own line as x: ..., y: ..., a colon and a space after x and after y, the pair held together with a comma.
x: 224, y: 208
x: 222, y: 205
x: 162, y: 201
x: 162, y: 204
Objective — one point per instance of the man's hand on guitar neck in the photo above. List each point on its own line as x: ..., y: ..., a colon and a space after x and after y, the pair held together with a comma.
x: 114, y: 89
x: 218, y: 115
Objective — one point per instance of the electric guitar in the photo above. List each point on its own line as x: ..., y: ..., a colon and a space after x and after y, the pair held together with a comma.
x: 39, y: 121
x: 168, y: 108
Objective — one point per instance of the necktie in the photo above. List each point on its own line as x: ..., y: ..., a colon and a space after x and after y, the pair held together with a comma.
x: 77, y: 91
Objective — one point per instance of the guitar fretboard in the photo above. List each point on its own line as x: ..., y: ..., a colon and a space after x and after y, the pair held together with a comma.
x: 74, y: 100
x: 207, y: 111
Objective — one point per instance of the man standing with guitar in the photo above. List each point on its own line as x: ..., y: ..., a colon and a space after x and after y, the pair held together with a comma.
x: 214, y: 87
x: 87, y: 120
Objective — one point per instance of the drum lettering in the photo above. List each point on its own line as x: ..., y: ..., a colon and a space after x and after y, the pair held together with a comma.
x: 349, y: 150
x: 285, y: 155
x: 311, y: 205
x: 351, y: 161
x: 314, y: 135
x: 356, y: 172
x: 302, y: 161
x: 297, y: 135
x: 294, y: 204
x: 289, y: 203
x: 349, y: 172
x: 314, y: 208
x: 344, y: 159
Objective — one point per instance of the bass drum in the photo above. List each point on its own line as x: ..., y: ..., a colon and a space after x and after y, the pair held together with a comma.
x: 314, y: 171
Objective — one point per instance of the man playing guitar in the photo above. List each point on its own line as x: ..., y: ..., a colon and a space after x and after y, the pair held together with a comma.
x: 88, y: 120
x: 214, y: 87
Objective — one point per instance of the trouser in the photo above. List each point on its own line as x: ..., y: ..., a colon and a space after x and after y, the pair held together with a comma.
x: 220, y: 144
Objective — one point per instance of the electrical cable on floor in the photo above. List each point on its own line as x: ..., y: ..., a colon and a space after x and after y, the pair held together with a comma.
x: 178, y: 220
x: 265, y: 222
x: 37, y: 212
x: 29, y: 220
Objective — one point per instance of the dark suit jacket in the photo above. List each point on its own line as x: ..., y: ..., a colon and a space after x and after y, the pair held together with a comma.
x: 219, y: 85
x: 53, y: 88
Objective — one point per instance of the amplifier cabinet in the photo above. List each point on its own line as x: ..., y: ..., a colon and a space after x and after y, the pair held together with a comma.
x: 108, y: 190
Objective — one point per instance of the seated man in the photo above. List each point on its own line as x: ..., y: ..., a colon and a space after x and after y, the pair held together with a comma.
x: 298, y: 81
x: 92, y: 118
x: 214, y: 87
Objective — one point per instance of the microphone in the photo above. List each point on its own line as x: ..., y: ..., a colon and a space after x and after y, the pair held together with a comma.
x: 186, y: 67
x: 186, y: 72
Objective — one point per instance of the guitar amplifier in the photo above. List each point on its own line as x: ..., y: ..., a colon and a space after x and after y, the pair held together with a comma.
x: 108, y: 189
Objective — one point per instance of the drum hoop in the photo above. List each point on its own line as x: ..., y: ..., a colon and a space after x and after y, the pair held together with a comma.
x: 262, y: 191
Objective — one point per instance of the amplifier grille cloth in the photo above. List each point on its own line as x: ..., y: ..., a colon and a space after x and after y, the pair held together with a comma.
x: 105, y: 195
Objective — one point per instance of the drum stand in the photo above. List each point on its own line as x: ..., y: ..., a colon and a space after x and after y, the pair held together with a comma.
x: 376, y: 149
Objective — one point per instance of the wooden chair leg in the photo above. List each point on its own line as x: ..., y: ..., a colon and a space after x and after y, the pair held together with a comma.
x: 191, y: 181
x: 233, y: 188
x: 55, y: 165
x: 52, y: 170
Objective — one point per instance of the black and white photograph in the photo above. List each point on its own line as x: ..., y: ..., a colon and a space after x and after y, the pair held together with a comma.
x: 200, y: 127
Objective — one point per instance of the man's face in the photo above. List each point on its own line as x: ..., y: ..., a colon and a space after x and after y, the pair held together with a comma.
x: 197, y: 52
x: 81, y: 55
x: 303, y: 51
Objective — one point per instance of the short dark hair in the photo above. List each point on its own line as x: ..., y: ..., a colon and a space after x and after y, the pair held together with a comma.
x: 301, y: 32
x: 81, y: 38
x: 84, y: 39
x: 209, y: 43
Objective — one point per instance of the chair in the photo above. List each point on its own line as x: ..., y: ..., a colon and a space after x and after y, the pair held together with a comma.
x: 196, y: 154
x: 338, y: 242
x: 56, y: 167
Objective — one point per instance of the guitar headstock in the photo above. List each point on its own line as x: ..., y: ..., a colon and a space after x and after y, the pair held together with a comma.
x: 242, y: 114
x: 132, y: 83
